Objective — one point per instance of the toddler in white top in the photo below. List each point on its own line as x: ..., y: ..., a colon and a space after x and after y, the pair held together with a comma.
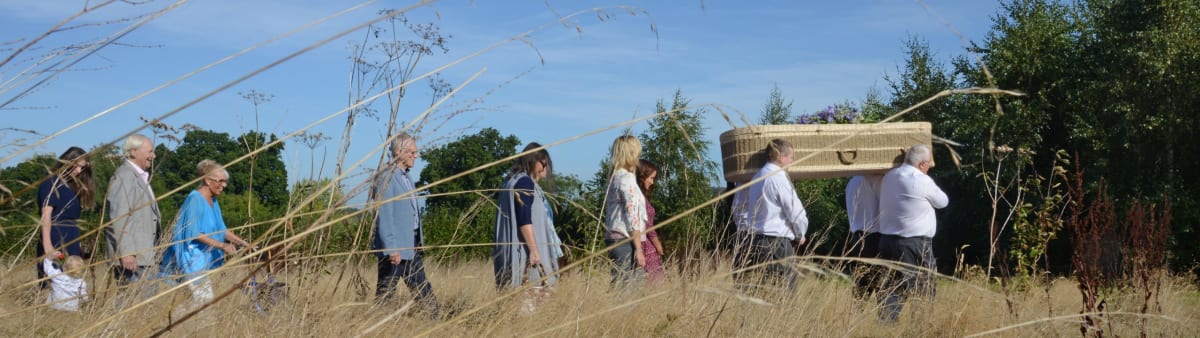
x: 67, y: 287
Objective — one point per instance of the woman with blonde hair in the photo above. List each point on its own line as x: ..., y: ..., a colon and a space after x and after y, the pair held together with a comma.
x: 62, y: 197
x: 625, y: 212
x: 199, y: 240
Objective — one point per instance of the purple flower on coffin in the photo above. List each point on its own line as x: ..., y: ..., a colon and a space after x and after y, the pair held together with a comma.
x: 826, y: 115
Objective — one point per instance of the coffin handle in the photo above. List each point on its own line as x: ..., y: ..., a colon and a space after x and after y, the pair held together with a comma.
x: 847, y: 156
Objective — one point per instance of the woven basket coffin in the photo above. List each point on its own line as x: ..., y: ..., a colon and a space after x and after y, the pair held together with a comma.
x: 823, y: 150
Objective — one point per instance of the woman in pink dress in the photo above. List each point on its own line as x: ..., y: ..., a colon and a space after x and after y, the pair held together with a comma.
x: 647, y: 172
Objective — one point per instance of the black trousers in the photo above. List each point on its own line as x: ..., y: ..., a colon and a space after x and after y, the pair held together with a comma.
x: 125, y: 276
x: 755, y: 249
x: 412, y: 271
x: 916, y: 251
x: 866, y: 276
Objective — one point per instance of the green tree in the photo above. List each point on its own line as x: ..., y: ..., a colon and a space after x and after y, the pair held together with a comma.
x: 576, y: 217
x: 175, y: 168
x: 1109, y: 80
x: 676, y: 142
x: 776, y: 110
x: 341, y: 237
x: 457, y: 212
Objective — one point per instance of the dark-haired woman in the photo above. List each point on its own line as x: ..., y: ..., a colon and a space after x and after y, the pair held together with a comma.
x: 647, y: 173
x: 62, y: 197
x: 525, y: 235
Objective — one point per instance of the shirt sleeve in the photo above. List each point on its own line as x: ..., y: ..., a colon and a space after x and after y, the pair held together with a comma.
x: 49, y: 267
x: 524, y: 192
x: 635, y: 203
x: 937, y: 198
x: 385, y: 225
x: 791, y: 209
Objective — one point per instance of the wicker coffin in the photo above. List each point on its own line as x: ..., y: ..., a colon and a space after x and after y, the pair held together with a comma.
x: 823, y: 150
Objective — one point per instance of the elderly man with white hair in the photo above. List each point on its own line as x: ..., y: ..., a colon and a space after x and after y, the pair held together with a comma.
x: 133, y: 213
x: 907, y: 223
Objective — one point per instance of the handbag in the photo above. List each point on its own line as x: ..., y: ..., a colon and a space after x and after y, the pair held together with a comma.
x: 534, y: 296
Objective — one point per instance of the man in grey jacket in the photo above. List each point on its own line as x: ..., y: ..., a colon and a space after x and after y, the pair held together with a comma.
x: 133, y: 213
x: 398, y: 230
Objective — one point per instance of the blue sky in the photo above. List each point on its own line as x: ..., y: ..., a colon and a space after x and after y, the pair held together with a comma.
x: 595, y: 73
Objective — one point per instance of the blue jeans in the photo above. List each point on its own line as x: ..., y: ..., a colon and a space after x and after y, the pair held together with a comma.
x: 916, y: 251
x: 412, y: 271
x: 625, y: 270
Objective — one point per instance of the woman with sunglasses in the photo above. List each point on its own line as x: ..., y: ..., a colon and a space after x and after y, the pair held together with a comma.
x: 199, y: 240
x: 62, y: 197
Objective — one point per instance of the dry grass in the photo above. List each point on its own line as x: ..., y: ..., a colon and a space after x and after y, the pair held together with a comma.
x: 585, y: 305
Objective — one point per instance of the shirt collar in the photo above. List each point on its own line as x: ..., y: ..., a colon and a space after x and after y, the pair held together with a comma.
x: 139, y: 171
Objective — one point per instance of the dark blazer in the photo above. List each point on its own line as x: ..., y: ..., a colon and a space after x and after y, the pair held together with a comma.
x: 134, y: 216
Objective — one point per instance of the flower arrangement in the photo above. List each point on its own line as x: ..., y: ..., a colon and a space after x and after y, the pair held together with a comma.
x: 835, y: 114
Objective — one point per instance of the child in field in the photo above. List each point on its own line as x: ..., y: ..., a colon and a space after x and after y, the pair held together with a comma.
x: 67, y: 287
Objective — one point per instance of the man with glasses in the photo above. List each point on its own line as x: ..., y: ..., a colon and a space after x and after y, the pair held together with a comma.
x: 398, y: 231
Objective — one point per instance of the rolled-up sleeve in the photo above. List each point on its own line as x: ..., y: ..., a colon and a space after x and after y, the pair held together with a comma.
x: 937, y: 198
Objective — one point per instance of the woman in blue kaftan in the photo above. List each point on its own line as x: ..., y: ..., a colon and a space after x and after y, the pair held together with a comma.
x: 199, y: 240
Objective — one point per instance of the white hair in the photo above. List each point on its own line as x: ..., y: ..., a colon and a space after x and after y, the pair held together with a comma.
x: 917, y: 154
x: 133, y: 142
x: 401, y: 141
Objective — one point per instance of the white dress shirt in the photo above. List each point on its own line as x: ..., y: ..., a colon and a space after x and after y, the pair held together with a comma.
x: 624, y: 205
x: 739, y: 209
x: 862, y: 203
x: 907, y: 198
x: 142, y: 174
x: 770, y: 207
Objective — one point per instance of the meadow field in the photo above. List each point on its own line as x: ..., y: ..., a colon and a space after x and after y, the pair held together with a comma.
x: 1067, y: 182
x: 701, y: 302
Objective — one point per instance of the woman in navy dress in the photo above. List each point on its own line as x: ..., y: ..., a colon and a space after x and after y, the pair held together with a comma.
x: 61, y: 198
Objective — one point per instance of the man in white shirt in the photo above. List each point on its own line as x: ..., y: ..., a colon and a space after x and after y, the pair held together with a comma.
x: 770, y: 217
x: 862, y: 209
x: 907, y: 199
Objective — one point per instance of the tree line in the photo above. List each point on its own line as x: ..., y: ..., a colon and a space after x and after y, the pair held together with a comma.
x: 1110, y: 89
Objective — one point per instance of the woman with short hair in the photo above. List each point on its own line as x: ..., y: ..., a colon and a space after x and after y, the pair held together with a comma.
x: 199, y: 240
